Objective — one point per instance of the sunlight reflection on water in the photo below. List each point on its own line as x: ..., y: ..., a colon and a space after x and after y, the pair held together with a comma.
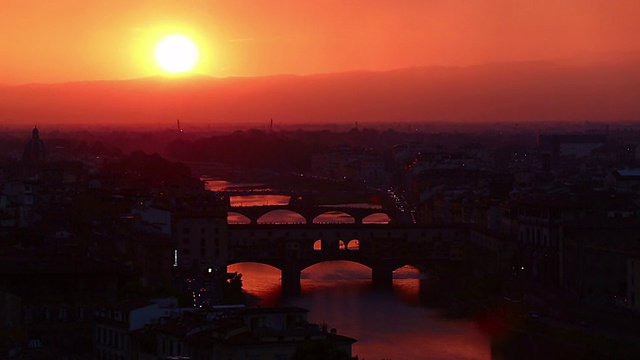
x: 388, y: 324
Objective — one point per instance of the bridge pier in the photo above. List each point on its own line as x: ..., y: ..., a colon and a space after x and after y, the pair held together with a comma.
x: 382, y: 277
x: 290, y: 275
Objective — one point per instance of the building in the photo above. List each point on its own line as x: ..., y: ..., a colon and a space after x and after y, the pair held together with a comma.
x: 597, y: 259
x: 200, y: 232
x: 344, y: 162
x: 12, y: 334
x: 623, y: 181
x: 57, y: 288
x: 633, y: 283
x: 574, y: 145
x: 114, y: 323
x: 540, y: 217
x: 35, y: 151
x: 233, y: 333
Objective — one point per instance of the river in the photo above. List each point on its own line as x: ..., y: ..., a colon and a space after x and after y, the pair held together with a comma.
x: 387, y: 324
x: 391, y: 324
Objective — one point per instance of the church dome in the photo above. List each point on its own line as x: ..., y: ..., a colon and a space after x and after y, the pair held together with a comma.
x: 35, y: 149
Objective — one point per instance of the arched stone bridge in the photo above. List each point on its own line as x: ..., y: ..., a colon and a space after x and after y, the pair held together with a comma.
x: 309, y: 213
x: 292, y: 248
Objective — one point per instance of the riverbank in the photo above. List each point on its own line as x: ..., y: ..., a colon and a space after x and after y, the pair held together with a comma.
x: 540, y: 326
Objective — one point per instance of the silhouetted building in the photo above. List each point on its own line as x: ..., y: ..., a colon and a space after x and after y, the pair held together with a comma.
x: 35, y: 150
x: 578, y: 145
x: 199, y: 229
x: 58, y: 288
x: 115, y: 322
x: 624, y: 181
x: 261, y: 333
x: 595, y: 257
x: 633, y: 283
x: 12, y: 334
x: 540, y: 217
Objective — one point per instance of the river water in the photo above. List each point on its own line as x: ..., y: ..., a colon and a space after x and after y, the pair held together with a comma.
x: 387, y: 324
x: 391, y: 324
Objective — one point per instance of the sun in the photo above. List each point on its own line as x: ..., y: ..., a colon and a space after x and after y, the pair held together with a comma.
x: 176, y: 54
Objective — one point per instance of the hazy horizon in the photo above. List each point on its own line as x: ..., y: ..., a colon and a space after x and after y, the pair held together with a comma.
x: 500, y: 92
x: 590, y: 59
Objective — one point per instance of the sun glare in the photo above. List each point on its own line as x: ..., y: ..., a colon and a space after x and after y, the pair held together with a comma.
x: 176, y: 54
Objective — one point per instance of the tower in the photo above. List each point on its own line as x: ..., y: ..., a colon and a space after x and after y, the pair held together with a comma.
x: 35, y: 150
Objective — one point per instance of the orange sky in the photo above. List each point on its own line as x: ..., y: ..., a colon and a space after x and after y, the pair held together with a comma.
x: 68, y: 40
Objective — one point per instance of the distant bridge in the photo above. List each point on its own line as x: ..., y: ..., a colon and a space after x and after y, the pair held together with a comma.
x: 384, y: 248
x: 309, y: 213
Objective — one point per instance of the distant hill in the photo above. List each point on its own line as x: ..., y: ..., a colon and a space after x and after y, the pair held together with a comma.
x: 528, y: 91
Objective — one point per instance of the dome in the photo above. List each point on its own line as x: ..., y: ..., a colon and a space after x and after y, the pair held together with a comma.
x: 35, y: 150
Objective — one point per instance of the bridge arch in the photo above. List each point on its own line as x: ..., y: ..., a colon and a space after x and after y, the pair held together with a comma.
x: 338, y: 270
x: 237, y: 218
x: 320, y: 245
x: 377, y: 218
x: 337, y: 267
x: 353, y: 245
x: 248, y: 263
x: 282, y: 216
x: 334, y: 217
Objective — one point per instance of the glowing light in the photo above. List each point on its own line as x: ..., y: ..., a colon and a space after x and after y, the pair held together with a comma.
x: 176, y: 54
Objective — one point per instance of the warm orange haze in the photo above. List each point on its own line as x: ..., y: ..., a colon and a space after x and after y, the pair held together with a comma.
x: 71, y: 40
x: 547, y: 60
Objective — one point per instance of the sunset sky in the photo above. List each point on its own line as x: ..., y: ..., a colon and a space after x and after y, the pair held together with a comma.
x: 69, y: 40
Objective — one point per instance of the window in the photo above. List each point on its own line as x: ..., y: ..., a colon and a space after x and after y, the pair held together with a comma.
x: 28, y: 315
x: 62, y: 313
